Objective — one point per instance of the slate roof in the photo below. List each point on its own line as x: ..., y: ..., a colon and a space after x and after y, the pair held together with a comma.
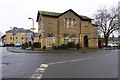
x: 54, y: 14
x: 111, y: 38
x: 19, y: 30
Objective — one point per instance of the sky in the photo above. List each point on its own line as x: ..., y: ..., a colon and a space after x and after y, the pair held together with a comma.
x: 15, y: 13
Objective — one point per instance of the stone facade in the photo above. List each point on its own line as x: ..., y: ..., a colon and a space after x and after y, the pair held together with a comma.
x: 55, y: 29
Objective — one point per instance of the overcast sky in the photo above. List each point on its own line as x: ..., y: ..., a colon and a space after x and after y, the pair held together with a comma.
x: 15, y: 13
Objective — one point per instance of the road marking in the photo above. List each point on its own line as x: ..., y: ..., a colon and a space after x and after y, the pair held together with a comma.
x: 44, y: 65
x: 70, y: 61
x: 111, y: 54
x: 1, y: 65
x: 41, y: 69
x: 39, y: 72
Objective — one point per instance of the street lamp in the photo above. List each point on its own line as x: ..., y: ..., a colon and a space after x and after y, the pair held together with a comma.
x: 33, y: 30
x: 33, y: 21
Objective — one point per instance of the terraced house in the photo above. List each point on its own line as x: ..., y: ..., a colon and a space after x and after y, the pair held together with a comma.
x: 18, y: 35
x: 55, y: 29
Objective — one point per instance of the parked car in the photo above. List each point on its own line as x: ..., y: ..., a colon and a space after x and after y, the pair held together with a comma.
x: 17, y: 45
x: 1, y: 45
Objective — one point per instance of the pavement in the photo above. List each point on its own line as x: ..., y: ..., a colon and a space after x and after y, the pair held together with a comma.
x: 20, y: 50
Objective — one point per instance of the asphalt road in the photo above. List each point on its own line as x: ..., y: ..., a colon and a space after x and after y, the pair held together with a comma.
x: 97, y: 64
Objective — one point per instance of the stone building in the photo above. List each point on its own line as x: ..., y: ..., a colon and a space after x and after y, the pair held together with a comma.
x: 55, y: 29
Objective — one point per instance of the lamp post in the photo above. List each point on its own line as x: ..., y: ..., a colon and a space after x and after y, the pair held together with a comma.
x: 33, y: 30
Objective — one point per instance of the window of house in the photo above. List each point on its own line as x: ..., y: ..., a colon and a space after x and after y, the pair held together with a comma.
x: 74, y: 23
x: 22, y: 38
x: 11, y: 34
x: 10, y: 38
x: 16, y: 37
x: 68, y: 23
x: 22, y: 33
x: 50, y: 40
x: 65, y: 22
x: 71, y: 23
x: 66, y: 39
x: 73, y: 38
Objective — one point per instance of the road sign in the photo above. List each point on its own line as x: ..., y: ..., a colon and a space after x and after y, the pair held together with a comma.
x: 32, y: 28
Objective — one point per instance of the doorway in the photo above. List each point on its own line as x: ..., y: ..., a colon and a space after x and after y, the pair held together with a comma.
x: 85, y: 41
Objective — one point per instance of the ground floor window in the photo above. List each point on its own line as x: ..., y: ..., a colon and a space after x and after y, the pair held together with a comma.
x: 66, y: 39
x: 73, y: 40
x: 50, y: 40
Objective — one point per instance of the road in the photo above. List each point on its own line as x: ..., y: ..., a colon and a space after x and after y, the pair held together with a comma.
x: 96, y: 64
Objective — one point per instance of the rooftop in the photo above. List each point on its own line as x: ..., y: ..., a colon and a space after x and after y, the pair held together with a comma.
x: 54, y: 14
x: 19, y: 30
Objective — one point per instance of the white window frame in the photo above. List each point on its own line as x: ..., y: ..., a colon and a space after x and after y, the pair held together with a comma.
x: 50, y: 41
x: 66, y: 39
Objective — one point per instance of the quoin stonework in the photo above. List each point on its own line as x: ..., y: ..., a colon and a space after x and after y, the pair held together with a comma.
x: 55, y: 29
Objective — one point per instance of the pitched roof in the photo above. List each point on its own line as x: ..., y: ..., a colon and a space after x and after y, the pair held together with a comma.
x: 18, y: 30
x: 46, y: 13
x: 112, y: 38
x: 54, y: 14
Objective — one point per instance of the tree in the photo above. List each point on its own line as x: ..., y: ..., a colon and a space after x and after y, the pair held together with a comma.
x: 107, y: 19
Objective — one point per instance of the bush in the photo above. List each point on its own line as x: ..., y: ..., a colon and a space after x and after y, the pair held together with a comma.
x: 37, y: 45
x: 71, y: 45
x: 78, y: 46
x: 25, y: 45
x: 9, y: 45
x: 64, y: 46
x: 44, y: 47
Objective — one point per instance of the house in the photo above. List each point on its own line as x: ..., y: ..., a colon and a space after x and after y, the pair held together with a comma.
x: 36, y: 38
x: 18, y: 35
x: 3, y: 39
x: 55, y: 29
x: 113, y: 40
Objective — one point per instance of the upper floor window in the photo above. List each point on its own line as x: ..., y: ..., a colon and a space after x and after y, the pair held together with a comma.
x: 69, y: 22
x: 10, y: 38
x: 11, y: 34
x: 74, y: 23
x: 22, y: 38
x: 65, y: 22
x: 16, y: 38
x: 22, y: 33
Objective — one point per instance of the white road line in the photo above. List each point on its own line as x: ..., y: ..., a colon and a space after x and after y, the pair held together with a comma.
x: 39, y: 72
x: 70, y: 61
x: 41, y: 69
x: 44, y: 65
x: 111, y: 54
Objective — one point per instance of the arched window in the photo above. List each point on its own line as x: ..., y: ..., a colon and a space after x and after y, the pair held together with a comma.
x: 73, y: 38
x: 50, y: 40
x: 66, y: 38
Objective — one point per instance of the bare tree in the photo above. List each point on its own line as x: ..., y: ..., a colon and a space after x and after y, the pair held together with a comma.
x: 107, y: 21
